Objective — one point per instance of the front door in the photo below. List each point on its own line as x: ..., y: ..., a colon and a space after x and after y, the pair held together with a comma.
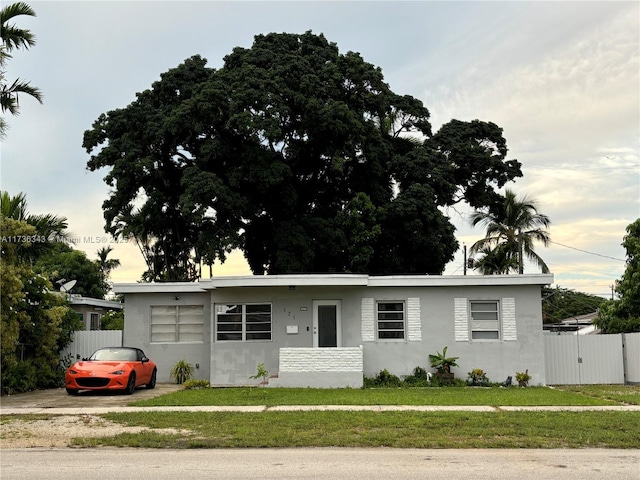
x: 327, y: 328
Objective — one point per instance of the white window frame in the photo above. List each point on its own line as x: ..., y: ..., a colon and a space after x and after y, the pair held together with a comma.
x: 221, y: 310
x: 380, y: 331
x: 480, y: 328
x: 196, y: 326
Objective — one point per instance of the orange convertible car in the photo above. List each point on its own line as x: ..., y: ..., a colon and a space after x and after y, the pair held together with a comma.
x: 112, y: 368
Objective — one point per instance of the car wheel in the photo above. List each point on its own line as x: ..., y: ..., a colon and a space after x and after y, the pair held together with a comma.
x: 72, y: 391
x: 152, y: 381
x: 131, y: 384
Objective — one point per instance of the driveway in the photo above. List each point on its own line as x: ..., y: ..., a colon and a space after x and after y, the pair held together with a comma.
x: 58, y: 398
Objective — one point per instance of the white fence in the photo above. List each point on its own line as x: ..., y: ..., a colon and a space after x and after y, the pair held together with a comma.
x: 592, y: 359
x: 84, y: 343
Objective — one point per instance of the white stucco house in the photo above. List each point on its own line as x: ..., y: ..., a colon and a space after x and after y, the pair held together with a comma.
x: 328, y: 330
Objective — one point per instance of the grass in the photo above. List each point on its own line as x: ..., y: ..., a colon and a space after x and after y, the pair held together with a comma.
x: 383, y: 396
x: 629, y: 394
x: 377, y: 429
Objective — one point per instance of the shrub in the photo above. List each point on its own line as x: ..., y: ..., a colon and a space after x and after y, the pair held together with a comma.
x: 419, y: 378
x: 196, y: 384
x: 182, y: 371
x: 383, y: 379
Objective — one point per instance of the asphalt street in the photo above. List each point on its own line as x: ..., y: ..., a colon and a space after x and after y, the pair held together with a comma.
x: 320, y: 463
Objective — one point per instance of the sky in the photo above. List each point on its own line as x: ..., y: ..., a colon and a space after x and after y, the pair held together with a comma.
x: 561, y: 78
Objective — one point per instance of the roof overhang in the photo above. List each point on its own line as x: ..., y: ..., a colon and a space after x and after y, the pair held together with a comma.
x: 169, y: 287
x: 339, y: 280
x: 95, y: 302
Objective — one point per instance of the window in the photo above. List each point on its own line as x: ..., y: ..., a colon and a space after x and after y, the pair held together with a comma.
x: 238, y: 322
x: 485, y: 321
x: 179, y: 323
x: 390, y: 317
x: 95, y: 321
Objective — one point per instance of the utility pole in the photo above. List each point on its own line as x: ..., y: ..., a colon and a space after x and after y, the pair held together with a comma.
x: 465, y: 259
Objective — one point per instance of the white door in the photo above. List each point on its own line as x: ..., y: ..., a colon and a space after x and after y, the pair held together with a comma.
x: 327, y: 326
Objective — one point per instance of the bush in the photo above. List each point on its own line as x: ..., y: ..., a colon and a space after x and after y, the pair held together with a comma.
x: 196, y: 384
x: 23, y: 377
x: 383, y: 379
x: 419, y: 378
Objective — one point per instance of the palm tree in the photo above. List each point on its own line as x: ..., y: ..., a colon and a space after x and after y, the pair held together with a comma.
x: 14, y: 38
x: 48, y: 227
x: 106, y: 265
x: 513, y: 230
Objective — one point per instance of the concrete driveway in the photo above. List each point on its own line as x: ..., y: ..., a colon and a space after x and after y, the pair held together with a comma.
x: 58, y: 398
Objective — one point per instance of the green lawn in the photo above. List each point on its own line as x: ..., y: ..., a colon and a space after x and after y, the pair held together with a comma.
x: 377, y: 429
x: 629, y: 394
x: 385, y: 396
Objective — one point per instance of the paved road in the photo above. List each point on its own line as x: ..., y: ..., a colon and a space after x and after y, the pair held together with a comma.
x: 320, y: 463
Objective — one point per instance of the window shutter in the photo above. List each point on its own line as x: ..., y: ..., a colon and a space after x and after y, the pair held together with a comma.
x: 509, y: 331
x: 414, y: 325
x: 367, y: 324
x: 461, y: 319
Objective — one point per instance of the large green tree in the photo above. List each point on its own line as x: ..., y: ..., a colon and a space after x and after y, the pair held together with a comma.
x: 35, y: 323
x: 511, y: 230
x: 623, y: 315
x: 63, y: 264
x: 14, y: 37
x: 299, y: 155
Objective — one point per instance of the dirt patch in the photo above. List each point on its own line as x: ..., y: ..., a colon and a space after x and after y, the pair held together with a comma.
x: 57, y: 432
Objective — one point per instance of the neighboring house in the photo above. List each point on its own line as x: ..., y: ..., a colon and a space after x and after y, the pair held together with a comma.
x: 90, y: 310
x: 330, y: 329
x: 582, y: 324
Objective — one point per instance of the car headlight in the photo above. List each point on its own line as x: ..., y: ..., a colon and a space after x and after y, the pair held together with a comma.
x: 73, y: 372
x: 117, y: 372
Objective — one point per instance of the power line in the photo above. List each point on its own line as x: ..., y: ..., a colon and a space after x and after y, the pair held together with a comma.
x: 585, y: 251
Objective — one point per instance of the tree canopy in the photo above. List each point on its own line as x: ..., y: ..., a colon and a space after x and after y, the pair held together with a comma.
x: 623, y: 315
x: 297, y: 154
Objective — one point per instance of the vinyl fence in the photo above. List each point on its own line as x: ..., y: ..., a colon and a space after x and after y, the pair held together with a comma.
x: 592, y: 359
x: 86, y: 342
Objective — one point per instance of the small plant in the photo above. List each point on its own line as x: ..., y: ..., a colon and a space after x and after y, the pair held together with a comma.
x: 196, y: 384
x: 182, y: 371
x: 523, y: 378
x: 441, y: 362
x: 477, y: 378
x: 443, y: 365
x: 262, y: 373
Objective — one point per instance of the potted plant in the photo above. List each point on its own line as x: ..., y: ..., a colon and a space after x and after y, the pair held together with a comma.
x: 523, y: 378
x: 443, y: 365
x: 477, y: 378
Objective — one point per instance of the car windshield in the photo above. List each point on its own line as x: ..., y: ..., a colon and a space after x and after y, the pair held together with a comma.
x: 119, y: 354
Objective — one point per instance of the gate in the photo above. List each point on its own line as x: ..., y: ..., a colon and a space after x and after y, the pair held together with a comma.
x: 592, y: 359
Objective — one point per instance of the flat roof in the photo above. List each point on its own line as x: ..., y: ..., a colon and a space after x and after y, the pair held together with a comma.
x: 313, y: 280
